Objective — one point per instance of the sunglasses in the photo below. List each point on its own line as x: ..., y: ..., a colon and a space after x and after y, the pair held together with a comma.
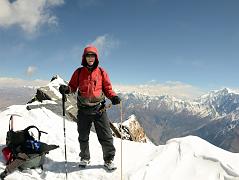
x: 90, y: 55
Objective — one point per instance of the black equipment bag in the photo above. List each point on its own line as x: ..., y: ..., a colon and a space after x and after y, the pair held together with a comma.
x: 23, y: 142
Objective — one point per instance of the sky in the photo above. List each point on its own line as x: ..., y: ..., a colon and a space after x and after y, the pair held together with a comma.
x: 186, y: 42
x: 184, y: 158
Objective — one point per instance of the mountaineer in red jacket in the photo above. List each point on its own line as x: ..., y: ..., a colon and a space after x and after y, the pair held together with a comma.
x: 92, y: 84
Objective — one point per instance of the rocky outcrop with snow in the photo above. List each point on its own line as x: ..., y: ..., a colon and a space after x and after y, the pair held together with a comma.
x: 131, y: 130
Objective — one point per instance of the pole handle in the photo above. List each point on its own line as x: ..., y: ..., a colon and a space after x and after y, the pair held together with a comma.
x: 63, y: 103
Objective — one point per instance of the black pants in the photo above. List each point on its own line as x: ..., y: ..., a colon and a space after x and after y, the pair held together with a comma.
x: 104, y: 134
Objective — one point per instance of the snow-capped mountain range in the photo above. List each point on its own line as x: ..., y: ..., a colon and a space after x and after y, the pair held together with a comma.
x: 165, y: 117
x: 214, y: 104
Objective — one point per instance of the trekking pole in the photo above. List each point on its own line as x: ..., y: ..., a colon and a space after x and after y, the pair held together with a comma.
x: 64, y: 128
x: 121, y: 141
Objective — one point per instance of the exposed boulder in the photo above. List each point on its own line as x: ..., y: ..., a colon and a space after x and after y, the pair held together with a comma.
x: 130, y: 130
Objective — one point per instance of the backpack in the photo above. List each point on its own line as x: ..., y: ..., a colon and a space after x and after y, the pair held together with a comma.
x: 22, y: 138
x: 22, y: 142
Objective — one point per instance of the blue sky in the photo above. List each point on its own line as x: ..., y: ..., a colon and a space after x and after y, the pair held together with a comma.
x: 193, y: 42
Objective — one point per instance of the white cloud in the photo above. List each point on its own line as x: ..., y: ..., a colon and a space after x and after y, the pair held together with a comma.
x: 31, y: 70
x: 172, y: 88
x: 105, y: 44
x: 30, y: 15
x: 17, y: 82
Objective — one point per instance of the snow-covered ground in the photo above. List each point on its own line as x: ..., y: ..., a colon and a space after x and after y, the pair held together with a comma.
x: 189, y: 158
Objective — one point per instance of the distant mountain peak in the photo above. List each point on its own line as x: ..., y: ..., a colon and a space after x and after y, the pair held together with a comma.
x: 224, y: 91
x: 57, y: 80
x: 218, y: 93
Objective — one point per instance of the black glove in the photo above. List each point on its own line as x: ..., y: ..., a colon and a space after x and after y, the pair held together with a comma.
x: 64, y: 89
x: 115, y: 100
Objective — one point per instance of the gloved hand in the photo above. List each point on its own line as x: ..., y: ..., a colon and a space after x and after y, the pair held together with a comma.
x: 64, y: 89
x: 115, y: 100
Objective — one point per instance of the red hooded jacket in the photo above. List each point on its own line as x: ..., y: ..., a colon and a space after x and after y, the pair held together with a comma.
x: 93, y: 85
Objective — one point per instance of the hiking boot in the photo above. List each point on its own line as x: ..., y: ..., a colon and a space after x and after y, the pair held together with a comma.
x: 84, y: 162
x: 110, y: 165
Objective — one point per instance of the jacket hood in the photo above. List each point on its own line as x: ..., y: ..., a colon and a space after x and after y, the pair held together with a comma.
x: 91, y: 49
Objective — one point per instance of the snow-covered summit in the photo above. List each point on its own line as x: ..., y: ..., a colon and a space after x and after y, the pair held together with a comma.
x: 224, y: 101
x: 180, y: 159
x: 217, y: 93
x: 56, y: 81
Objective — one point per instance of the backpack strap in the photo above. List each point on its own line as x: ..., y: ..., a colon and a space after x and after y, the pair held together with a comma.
x: 39, y: 132
x: 101, y: 70
x: 78, y: 79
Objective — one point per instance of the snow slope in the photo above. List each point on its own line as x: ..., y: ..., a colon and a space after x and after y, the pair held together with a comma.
x: 180, y: 159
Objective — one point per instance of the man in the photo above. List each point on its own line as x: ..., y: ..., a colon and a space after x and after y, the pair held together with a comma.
x: 92, y: 84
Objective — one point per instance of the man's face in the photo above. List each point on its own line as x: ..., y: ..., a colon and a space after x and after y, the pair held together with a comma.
x: 90, y: 58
